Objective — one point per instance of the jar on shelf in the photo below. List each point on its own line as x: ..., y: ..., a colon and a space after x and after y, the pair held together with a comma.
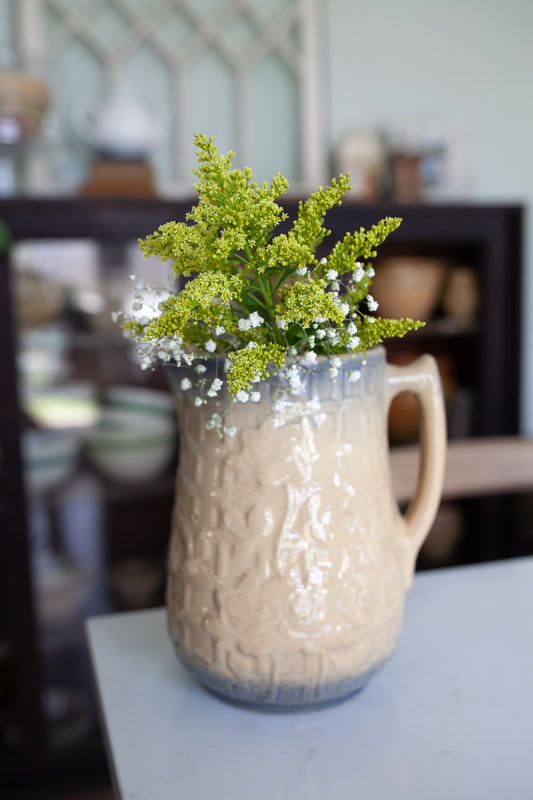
x: 408, y: 286
x: 461, y: 294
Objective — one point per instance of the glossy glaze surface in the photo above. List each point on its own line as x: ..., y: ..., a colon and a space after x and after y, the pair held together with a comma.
x: 288, y: 553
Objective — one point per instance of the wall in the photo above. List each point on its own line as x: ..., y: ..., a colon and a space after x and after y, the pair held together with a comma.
x: 468, y: 62
x: 6, y: 26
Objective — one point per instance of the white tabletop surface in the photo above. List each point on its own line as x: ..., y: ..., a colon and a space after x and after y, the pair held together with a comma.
x: 450, y: 716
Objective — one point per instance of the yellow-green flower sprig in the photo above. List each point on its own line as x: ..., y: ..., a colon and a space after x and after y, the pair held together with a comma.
x: 251, y: 364
x: 259, y: 301
x: 203, y: 299
x: 305, y: 303
x: 372, y: 330
x: 288, y: 252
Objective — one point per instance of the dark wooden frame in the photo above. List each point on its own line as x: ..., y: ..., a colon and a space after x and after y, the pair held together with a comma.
x: 494, y: 231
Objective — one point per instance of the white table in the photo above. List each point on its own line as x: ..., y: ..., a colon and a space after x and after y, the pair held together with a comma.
x: 449, y: 717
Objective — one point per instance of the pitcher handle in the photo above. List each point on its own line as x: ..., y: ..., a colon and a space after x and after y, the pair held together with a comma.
x: 423, y: 379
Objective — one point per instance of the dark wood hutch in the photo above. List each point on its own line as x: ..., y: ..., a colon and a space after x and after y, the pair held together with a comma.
x: 486, y: 353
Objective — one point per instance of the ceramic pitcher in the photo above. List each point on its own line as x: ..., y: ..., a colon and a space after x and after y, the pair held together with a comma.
x: 289, y: 558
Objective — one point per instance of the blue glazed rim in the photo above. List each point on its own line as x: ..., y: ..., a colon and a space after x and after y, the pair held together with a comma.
x: 374, y: 358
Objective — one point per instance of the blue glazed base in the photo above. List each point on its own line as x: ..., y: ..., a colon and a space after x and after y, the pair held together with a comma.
x: 275, y: 708
x: 279, y: 699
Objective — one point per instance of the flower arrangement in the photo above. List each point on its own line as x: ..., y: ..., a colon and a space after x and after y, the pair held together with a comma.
x: 257, y: 302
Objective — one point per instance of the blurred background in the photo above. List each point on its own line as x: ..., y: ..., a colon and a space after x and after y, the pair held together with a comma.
x: 426, y: 104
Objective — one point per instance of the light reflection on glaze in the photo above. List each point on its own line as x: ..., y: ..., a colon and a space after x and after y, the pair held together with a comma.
x: 305, y: 559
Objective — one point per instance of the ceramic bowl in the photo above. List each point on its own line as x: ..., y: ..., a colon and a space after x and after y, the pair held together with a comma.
x: 408, y: 286
x: 73, y: 406
x: 131, y: 448
x: 50, y: 457
x: 140, y: 400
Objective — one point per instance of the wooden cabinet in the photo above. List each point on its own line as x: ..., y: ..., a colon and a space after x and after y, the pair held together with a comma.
x: 106, y: 521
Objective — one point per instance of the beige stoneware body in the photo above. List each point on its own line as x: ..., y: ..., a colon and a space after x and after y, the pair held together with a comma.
x: 289, y: 559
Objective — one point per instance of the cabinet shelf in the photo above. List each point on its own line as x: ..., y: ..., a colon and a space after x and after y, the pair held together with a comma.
x: 486, y: 354
x: 449, y: 328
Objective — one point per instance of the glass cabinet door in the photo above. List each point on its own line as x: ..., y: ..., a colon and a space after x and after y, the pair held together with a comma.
x: 98, y: 445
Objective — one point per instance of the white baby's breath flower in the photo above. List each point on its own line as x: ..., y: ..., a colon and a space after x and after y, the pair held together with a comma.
x: 200, y: 368
x: 210, y: 346
x: 358, y: 274
x: 242, y: 396
x: 371, y: 303
x: 323, y: 261
x: 345, y: 308
x: 215, y: 387
x: 320, y: 334
x: 281, y: 323
x: 230, y: 430
x: 255, y: 319
x: 335, y: 363
x: 295, y: 381
x: 353, y: 342
x: 255, y: 397
x: 214, y: 422
x: 331, y: 274
x: 354, y: 375
x: 219, y: 330
x: 371, y: 272
x: 302, y: 271
x: 309, y: 358
x: 198, y: 401
x: 351, y: 329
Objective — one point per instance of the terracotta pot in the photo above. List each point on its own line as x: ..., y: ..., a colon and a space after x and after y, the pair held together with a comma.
x: 289, y: 559
x: 408, y: 286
